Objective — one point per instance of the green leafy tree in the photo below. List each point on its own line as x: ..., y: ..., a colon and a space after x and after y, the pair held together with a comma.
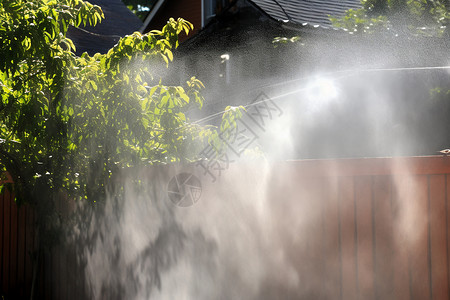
x: 59, y: 112
x: 425, y: 17
x: 68, y: 123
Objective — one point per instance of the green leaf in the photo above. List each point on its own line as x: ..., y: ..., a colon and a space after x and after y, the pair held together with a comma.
x: 169, y: 54
x: 93, y: 84
x: 153, y: 90
x: 165, y: 59
x: 164, y: 100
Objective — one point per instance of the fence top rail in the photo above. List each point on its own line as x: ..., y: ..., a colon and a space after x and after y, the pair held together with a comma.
x: 390, y: 166
x: 412, y: 165
x: 420, y: 165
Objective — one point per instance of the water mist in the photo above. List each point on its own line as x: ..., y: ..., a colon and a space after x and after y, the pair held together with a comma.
x: 260, y: 230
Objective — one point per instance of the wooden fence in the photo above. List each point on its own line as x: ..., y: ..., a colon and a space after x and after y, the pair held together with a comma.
x: 16, y: 247
x: 379, y: 230
x: 56, y: 272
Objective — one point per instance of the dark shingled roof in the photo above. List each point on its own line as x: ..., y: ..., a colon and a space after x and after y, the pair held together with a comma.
x: 119, y: 21
x: 307, y: 12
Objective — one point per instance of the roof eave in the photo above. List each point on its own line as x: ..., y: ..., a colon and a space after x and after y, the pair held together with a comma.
x: 151, y: 15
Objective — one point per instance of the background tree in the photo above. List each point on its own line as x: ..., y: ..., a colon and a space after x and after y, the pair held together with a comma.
x: 426, y: 17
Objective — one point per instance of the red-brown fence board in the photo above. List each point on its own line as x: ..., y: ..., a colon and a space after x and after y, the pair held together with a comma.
x: 383, y: 238
x: 364, y: 235
x: 15, y: 263
x: 318, y: 245
x: 347, y: 225
x: 331, y: 240
x: 6, y: 241
x: 29, y: 249
x: 375, y: 229
x: 21, y: 248
x: 419, y: 251
x: 2, y: 227
x: 13, y: 248
x: 447, y: 221
x: 438, y: 238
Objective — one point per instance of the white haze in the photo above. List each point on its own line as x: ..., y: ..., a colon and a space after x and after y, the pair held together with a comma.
x: 238, y: 242
x: 224, y: 247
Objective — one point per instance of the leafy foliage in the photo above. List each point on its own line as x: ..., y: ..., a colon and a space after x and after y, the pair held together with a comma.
x: 425, y: 17
x: 67, y: 123
x: 37, y: 58
x: 284, y: 40
x: 357, y: 21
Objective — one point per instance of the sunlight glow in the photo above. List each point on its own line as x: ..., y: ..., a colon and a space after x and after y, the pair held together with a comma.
x: 322, y: 89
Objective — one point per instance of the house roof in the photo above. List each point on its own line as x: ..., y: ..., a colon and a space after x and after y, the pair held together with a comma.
x: 307, y: 12
x: 303, y: 12
x: 256, y: 18
x: 119, y: 21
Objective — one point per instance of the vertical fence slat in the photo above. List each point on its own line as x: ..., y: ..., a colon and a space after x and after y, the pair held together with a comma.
x: 63, y: 274
x: 384, y: 262
x: 62, y: 208
x: 447, y: 221
x: 438, y: 237
x: 315, y: 235
x: 315, y: 193
x: 41, y: 287
x: 401, y: 276
x: 13, y: 247
x: 418, y: 239
x: 71, y: 273
x: 2, y: 228
x: 48, y: 274
x: 364, y: 221
x: 332, y: 275
x: 6, y: 240
x: 29, y: 241
x: 21, y: 252
x: 53, y: 266
x: 348, y: 242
